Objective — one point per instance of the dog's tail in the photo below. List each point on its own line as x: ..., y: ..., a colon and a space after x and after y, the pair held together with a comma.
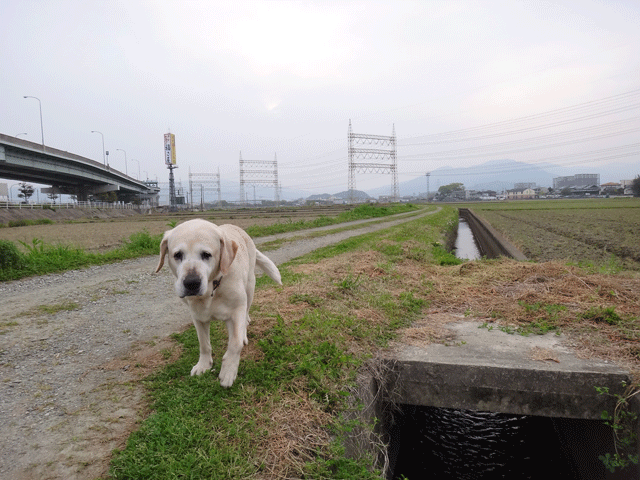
x: 268, y: 266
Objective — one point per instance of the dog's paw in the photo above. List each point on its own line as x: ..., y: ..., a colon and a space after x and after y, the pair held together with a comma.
x: 227, y: 379
x: 228, y: 372
x: 201, y: 367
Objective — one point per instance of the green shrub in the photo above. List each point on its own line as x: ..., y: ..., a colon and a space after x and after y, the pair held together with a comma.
x: 18, y: 223
x: 10, y: 257
x: 143, y: 242
x: 26, y: 223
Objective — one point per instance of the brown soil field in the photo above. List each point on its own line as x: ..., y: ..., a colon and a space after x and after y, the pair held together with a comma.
x: 586, y: 233
x: 103, y: 233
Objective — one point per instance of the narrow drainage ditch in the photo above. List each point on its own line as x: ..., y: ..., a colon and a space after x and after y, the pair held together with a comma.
x: 466, y: 247
x: 427, y: 442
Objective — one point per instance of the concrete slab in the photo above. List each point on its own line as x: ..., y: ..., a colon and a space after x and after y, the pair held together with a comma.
x: 490, y: 370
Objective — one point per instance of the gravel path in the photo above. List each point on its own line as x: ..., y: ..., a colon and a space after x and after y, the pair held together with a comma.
x: 70, y: 389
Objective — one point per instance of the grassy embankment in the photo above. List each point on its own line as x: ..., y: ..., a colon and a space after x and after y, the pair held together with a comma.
x: 39, y: 258
x: 283, y: 418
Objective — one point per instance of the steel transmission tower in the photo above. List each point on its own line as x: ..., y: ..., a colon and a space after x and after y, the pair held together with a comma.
x: 208, y: 182
x: 263, y: 173
x: 372, y: 147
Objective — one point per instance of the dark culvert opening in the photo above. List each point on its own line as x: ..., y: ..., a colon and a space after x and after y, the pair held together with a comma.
x: 440, y: 443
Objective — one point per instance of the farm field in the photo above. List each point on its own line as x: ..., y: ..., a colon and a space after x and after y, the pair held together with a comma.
x: 100, y: 234
x: 590, y: 232
x: 338, y: 306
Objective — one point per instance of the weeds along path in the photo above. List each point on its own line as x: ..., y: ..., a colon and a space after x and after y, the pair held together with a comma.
x: 74, y: 348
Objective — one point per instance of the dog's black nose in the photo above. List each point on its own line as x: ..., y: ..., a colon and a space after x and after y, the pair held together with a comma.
x: 191, y: 285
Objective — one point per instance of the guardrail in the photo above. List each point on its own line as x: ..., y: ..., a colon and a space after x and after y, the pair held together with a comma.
x: 57, y: 206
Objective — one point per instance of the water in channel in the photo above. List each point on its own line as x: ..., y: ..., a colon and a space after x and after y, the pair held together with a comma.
x: 466, y: 247
x: 444, y: 444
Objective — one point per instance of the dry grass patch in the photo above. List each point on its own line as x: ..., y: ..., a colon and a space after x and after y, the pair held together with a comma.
x: 599, y: 312
x: 297, y: 431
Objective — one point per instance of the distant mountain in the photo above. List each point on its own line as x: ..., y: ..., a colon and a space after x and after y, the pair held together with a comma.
x: 357, y: 194
x: 321, y: 196
x: 499, y: 175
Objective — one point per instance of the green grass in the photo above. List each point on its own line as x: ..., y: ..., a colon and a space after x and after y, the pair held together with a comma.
x: 57, y: 307
x: 39, y: 258
x: 361, y: 212
x: 27, y: 223
x: 197, y: 429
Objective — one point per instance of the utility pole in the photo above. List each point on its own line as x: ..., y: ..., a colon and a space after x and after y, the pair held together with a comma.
x: 428, y: 174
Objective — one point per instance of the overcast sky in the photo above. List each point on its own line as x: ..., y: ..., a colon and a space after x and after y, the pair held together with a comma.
x: 285, y: 78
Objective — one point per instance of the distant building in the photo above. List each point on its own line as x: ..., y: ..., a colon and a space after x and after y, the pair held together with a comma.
x: 610, y: 188
x: 578, y: 180
x: 582, y: 190
x: 521, y: 194
x: 481, y: 195
x: 627, y: 186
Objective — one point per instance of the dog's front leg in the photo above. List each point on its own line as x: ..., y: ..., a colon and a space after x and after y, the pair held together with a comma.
x: 206, y: 361
x: 237, y: 329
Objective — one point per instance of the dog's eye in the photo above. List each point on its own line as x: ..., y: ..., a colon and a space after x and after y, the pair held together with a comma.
x: 205, y: 255
x: 177, y: 256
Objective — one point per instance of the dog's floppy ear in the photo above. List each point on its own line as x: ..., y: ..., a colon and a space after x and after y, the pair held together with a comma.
x: 228, y: 249
x: 164, y: 246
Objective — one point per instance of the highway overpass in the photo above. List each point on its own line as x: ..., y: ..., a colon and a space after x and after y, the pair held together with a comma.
x: 66, y: 172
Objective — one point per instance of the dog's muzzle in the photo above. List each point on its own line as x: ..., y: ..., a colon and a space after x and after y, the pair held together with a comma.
x: 191, y: 285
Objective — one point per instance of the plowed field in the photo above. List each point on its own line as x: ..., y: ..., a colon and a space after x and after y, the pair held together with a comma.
x: 598, y: 232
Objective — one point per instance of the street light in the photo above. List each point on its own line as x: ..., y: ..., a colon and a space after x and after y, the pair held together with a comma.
x: 41, y: 126
x: 133, y: 160
x: 125, y: 160
x: 11, y: 192
x: 103, y: 157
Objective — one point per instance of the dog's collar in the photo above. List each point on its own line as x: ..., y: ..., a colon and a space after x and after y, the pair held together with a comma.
x: 216, y: 284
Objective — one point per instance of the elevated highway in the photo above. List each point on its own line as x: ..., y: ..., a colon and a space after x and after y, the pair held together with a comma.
x: 67, y: 172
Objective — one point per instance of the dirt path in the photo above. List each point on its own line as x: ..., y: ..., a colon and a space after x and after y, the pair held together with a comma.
x: 73, y: 349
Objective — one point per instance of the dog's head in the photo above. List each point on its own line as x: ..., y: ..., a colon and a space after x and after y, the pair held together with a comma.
x: 198, y: 251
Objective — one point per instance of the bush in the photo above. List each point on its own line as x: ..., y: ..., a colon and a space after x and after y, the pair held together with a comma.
x: 18, y: 223
x: 10, y: 257
x: 143, y: 242
x: 26, y: 223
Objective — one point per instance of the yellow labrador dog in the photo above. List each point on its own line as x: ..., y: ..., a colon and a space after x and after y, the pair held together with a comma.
x: 214, y: 269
